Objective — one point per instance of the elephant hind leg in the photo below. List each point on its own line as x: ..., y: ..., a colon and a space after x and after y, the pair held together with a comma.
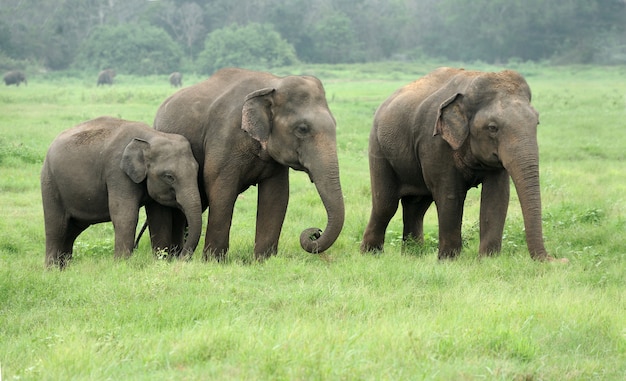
x: 60, y: 242
x: 413, y: 210
x: 73, y: 231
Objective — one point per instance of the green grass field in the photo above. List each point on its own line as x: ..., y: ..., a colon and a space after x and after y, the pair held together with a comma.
x: 340, y: 315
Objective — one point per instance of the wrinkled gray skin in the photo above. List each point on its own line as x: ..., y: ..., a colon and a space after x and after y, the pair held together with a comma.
x: 105, y: 169
x: 105, y: 77
x: 176, y: 79
x: 249, y: 128
x: 451, y: 130
x: 14, y: 77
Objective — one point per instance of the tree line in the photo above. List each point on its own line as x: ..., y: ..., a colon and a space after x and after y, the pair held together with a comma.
x: 156, y: 36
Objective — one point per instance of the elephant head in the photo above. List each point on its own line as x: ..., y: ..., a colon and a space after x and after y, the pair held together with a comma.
x: 294, y: 126
x: 489, y: 120
x: 170, y: 171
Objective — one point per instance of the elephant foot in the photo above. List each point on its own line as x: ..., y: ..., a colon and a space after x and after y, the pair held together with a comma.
x: 214, y: 255
x: 366, y: 248
x: 448, y: 254
x: 545, y: 257
x: 61, y: 260
x: 262, y: 256
x: 488, y: 253
x: 551, y: 259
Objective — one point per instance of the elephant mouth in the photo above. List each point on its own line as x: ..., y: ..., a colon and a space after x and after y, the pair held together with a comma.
x: 300, y: 167
x: 308, y: 174
x: 495, y: 161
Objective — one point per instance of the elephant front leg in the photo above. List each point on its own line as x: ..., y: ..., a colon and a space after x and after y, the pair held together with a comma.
x: 450, y: 215
x: 159, y: 219
x: 221, y: 206
x: 124, y: 216
x: 494, y: 202
x: 272, y: 203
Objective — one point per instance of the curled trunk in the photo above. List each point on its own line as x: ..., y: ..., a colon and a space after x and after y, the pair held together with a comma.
x: 326, y: 180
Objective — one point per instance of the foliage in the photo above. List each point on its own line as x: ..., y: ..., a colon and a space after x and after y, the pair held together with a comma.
x: 529, y: 30
x: 400, y: 314
x: 252, y: 46
x: 48, y: 33
x: 334, y: 41
x: 7, y: 63
x: 185, y: 22
x: 130, y: 48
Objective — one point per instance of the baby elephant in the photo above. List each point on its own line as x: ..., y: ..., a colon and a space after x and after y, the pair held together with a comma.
x: 105, y: 169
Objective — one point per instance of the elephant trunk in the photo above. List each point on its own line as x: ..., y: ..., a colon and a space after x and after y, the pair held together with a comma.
x: 326, y: 180
x: 192, y: 208
x: 523, y: 166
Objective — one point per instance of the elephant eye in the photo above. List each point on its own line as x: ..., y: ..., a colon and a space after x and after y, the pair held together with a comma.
x: 301, y: 130
x: 168, y: 178
x: 493, y: 128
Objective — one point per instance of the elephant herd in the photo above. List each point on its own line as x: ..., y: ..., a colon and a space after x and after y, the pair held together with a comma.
x: 105, y: 77
x: 431, y: 141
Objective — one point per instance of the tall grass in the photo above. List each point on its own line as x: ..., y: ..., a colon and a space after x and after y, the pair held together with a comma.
x: 340, y: 315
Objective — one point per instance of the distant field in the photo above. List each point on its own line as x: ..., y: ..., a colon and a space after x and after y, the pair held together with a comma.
x: 340, y: 315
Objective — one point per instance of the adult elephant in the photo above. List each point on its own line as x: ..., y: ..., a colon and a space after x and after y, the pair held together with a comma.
x: 176, y: 79
x: 435, y: 138
x: 105, y: 77
x: 105, y: 169
x: 14, y: 77
x: 248, y: 128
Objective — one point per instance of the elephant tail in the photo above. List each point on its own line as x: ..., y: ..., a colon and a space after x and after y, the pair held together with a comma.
x: 143, y: 229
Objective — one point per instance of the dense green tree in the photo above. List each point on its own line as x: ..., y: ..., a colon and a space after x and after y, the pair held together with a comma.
x: 48, y: 32
x: 6, y: 45
x: 251, y: 46
x: 130, y: 48
x: 184, y: 21
x: 497, y: 30
x: 334, y: 40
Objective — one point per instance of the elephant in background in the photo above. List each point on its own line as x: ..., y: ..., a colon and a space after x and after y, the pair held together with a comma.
x: 105, y: 169
x: 248, y: 128
x: 176, y: 79
x: 451, y: 130
x: 105, y: 77
x: 14, y: 77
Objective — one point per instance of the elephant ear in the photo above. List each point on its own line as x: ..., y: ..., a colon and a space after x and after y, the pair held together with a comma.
x: 256, y: 116
x: 452, y: 122
x: 133, y: 160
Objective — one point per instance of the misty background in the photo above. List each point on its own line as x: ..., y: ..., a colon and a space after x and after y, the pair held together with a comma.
x: 159, y: 36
